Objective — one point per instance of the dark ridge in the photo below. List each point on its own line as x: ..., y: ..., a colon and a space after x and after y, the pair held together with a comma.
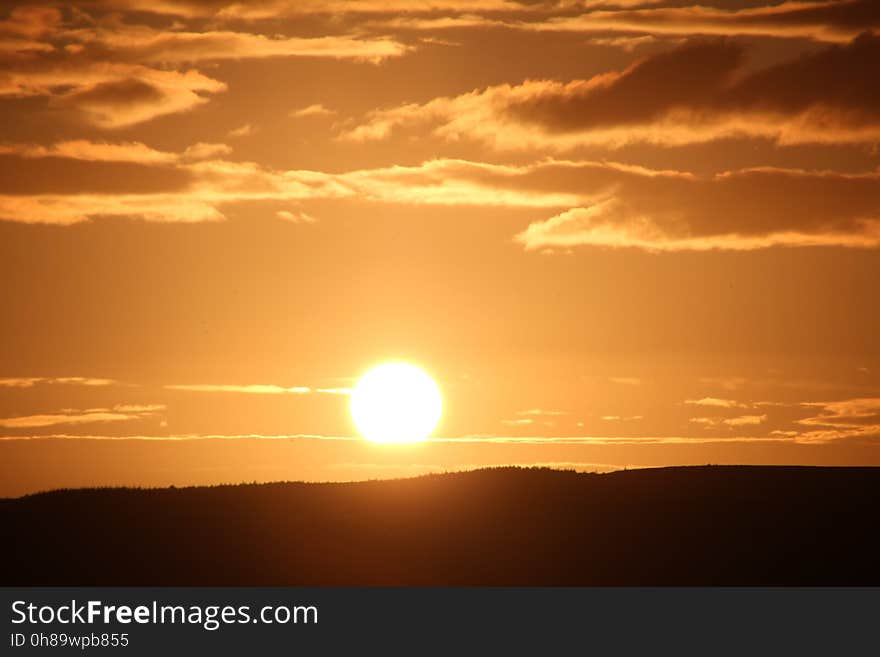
x: 710, y: 525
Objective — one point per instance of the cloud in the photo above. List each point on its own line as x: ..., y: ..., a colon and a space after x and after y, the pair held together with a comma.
x: 700, y: 91
x: 828, y: 20
x: 182, y: 437
x: 75, y: 74
x: 203, y: 151
x: 30, y: 22
x: 840, y: 420
x: 131, y: 100
x: 334, y: 391
x: 716, y: 402
x: 312, y: 110
x: 29, y: 382
x: 23, y: 32
x: 264, y: 9
x: 847, y: 419
x: 532, y: 415
x: 739, y: 210
x: 462, y: 440
x: 626, y: 380
x: 132, y: 151
x: 256, y: 389
x: 739, y: 421
x: 139, y: 408
x: 745, y: 420
x: 147, y: 45
x: 541, y: 412
x: 110, y: 38
x: 115, y: 74
x: 622, y: 418
x: 83, y: 381
x: 109, y: 94
x: 63, y: 210
x: 215, y: 182
x: 259, y: 389
x: 120, y: 413
x: 602, y: 204
x: 296, y: 217
x: 613, y: 440
x: 820, y: 20
x: 242, y: 131
x: 34, y: 421
x: 626, y: 43
x: 20, y: 382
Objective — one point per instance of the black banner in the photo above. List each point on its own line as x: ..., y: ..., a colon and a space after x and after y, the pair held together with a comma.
x: 230, y: 621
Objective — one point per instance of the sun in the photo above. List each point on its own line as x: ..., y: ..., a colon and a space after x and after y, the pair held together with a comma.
x: 396, y: 403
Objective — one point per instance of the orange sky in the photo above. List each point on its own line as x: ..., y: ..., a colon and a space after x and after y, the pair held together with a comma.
x: 617, y: 233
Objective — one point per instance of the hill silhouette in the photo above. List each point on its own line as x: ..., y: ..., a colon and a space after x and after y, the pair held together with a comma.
x: 713, y: 525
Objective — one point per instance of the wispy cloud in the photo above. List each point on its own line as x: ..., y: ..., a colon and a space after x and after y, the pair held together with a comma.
x: 244, y: 130
x: 745, y: 420
x: 819, y: 20
x: 254, y: 389
x: 334, y: 391
x: 312, y: 110
x: 144, y: 44
x: 839, y: 420
x: 119, y: 413
x: 259, y: 389
x: 20, y: 382
x: 180, y: 437
x: 626, y: 380
x: 297, y: 217
x: 29, y: 382
x: 83, y: 149
x: 139, y: 408
x: 738, y: 421
x: 715, y: 401
x: 263, y: 9
x: 614, y: 440
x: 541, y: 412
x: 627, y: 43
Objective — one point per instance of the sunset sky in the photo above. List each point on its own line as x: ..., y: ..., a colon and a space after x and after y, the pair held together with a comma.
x: 617, y: 233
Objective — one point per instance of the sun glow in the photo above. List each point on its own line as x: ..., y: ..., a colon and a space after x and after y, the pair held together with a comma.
x: 396, y: 403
